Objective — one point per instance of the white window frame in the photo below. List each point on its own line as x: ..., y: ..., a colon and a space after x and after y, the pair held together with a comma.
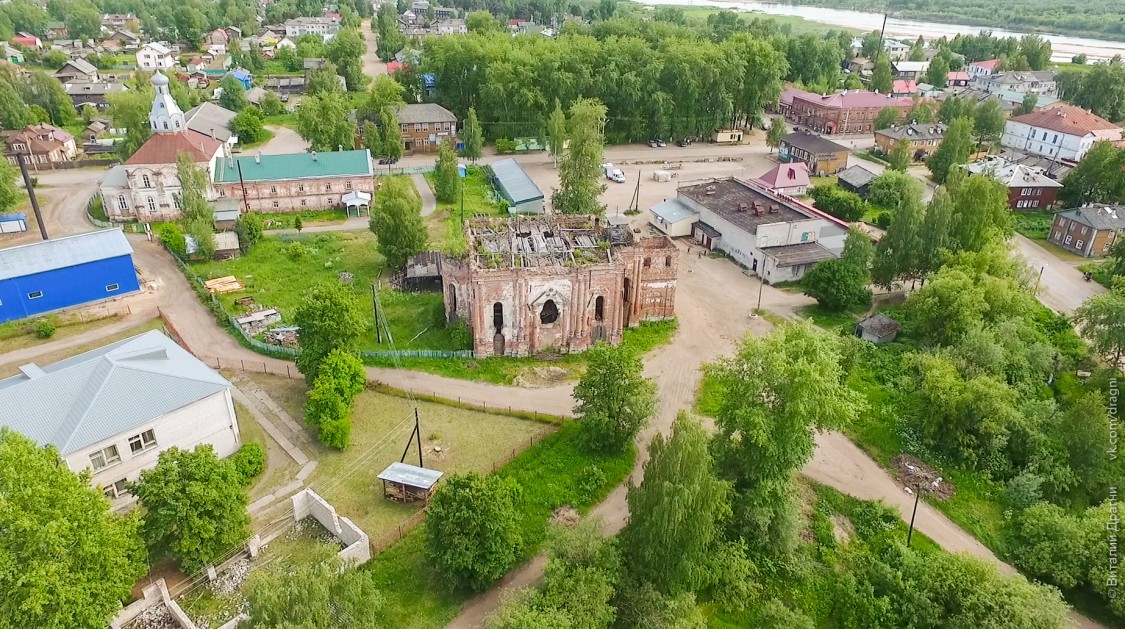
x: 106, y: 457
x: 35, y: 294
x: 122, y: 204
x: 152, y: 205
x: 146, y: 181
x: 116, y: 490
x: 1078, y: 244
x: 112, y: 287
x: 145, y: 440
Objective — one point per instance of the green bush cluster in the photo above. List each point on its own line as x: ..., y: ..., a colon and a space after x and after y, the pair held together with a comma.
x: 44, y: 329
x: 249, y: 462
x: 340, y: 378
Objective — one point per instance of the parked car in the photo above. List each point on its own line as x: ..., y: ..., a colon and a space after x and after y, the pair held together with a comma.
x: 684, y: 142
x: 613, y: 173
x: 654, y: 144
x: 387, y: 161
x: 661, y: 143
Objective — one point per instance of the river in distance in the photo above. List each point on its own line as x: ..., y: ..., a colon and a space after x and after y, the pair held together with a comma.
x: 1063, y: 47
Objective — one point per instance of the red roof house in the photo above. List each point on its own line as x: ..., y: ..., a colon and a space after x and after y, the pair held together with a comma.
x: 26, y: 39
x: 904, y: 88
x: 957, y: 79
x: 162, y: 148
x: 395, y: 66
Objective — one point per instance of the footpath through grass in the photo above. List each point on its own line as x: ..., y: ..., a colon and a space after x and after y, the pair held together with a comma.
x: 552, y: 473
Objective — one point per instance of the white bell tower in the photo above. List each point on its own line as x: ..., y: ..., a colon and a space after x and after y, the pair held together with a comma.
x: 166, y: 116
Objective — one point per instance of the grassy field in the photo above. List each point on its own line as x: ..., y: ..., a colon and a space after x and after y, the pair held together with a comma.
x: 381, y: 425
x: 280, y: 270
x: 446, y: 230
x: 1034, y: 225
x: 507, y: 370
x: 831, y: 321
x: 309, y: 218
x: 51, y: 357
x: 267, y: 135
x: 553, y: 473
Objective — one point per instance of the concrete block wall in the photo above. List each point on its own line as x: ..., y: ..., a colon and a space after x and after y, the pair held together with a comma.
x: 151, y: 596
x: 307, y: 503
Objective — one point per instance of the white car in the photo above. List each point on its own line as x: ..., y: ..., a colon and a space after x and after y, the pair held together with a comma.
x: 613, y: 173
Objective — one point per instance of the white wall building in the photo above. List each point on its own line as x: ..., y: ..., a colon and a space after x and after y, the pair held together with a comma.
x: 1064, y: 132
x: 154, y: 56
x: 323, y: 26
x: 114, y: 409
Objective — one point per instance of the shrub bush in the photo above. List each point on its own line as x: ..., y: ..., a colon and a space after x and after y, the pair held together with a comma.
x: 505, y: 146
x: 44, y: 329
x: 249, y: 461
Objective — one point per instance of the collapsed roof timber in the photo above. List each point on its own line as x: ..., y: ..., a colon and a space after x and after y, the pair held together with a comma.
x: 544, y: 241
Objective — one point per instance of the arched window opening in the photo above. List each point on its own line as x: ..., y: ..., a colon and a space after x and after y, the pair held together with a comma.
x: 498, y: 316
x: 549, y: 313
x: 599, y: 309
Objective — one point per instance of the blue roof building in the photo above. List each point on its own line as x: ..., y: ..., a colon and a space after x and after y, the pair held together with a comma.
x: 72, y: 271
x: 243, y: 77
x: 521, y: 193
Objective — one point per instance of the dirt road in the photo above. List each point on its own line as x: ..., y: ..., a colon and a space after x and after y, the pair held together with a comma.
x: 372, y: 65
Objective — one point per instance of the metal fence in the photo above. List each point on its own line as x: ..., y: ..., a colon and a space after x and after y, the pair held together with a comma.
x: 402, y: 170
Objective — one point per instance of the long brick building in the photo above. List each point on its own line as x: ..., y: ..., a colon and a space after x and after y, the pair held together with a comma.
x: 557, y: 283
x: 848, y: 111
x: 295, y: 181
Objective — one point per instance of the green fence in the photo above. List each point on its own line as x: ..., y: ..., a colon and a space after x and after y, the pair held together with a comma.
x: 289, y: 353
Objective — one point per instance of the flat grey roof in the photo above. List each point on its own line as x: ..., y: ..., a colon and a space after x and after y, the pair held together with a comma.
x: 410, y: 475
x: 672, y: 211
x: 60, y: 253
x: 793, y: 255
x: 813, y: 143
x: 83, y: 400
x: 857, y: 176
x: 726, y: 197
x: 514, y: 183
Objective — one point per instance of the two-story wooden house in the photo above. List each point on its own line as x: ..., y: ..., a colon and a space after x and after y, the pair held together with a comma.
x: 1090, y: 230
x: 425, y: 126
x: 822, y: 156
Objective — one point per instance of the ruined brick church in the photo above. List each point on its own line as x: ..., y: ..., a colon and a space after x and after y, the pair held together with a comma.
x: 532, y: 284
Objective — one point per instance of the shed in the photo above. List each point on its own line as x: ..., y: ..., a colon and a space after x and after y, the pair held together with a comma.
x: 672, y: 217
x: 878, y: 329
x: 13, y: 223
x: 857, y: 179
x: 517, y: 188
x: 422, y: 272
x: 72, y: 271
x: 226, y: 246
x: 407, y: 483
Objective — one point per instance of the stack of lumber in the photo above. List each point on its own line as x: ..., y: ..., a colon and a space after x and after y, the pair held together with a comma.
x: 226, y: 284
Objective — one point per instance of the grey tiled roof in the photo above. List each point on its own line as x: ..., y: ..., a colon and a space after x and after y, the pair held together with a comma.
x: 60, y: 253
x: 80, y: 401
x: 1098, y: 216
x: 414, y: 113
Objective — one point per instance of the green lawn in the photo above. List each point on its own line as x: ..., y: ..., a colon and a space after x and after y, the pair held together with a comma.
x: 832, y: 321
x: 553, y: 473
x: 280, y: 270
x: 446, y: 229
x: 267, y: 135
x: 26, y: 340
x: 1034, y: 225
x: 309, y: 218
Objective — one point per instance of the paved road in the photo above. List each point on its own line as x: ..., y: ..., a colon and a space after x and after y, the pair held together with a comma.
x: 1061, y: 288
x: 284, y: 141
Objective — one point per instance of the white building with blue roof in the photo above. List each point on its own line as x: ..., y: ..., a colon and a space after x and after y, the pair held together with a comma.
x: 114, y: 409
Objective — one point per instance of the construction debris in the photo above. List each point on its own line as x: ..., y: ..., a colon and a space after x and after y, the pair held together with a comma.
x: 913, y: 473
x: 283, y: 336
x: 227, y: 284
x: 256, y: 322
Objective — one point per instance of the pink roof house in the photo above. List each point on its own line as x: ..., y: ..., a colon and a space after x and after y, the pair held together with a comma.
x: 788, y: 179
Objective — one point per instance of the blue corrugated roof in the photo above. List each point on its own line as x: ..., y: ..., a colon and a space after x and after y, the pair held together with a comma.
x: 61, y: 253
x: 514, y: 183
x: 86, y: 399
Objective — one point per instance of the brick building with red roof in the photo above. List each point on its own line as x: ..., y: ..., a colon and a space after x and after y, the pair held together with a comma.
x: 848, y: 111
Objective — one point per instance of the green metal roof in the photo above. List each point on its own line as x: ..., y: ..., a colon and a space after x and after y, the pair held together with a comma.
x: 295, y: 166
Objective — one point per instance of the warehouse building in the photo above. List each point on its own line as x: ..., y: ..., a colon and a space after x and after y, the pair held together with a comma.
x: 72, y: 271
x: 521, y: 193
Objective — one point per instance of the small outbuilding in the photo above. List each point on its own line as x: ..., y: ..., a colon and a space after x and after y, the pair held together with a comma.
x: 856, y: 179
x: 672, y: 217
x: 408, y: 483
x: 517, y: 188
x: 72, y: 271
x: 789, y: 179
x: 422, y: 272
x: 878, y: 329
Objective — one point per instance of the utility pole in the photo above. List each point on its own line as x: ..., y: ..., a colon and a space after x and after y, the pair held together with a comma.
x: 910, y: 532
x: 22, y: 159
x: 375, y: 307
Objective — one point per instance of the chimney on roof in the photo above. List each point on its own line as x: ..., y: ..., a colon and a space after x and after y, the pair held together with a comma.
x: 212, y: 133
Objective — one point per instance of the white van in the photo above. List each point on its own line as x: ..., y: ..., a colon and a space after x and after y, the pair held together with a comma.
x: 613, y: 173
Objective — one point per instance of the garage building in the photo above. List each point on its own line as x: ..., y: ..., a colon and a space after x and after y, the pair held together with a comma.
x: 72, y: 271
x: 521, y: 193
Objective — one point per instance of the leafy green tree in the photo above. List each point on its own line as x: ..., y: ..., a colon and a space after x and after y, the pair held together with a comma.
x: 372, y: 139
x: 938, y: 72
x: 472, y: 529
x: 676, y: 513
x: 271, y: 103
x: 482, y: 22
x: 1102, y: 321
x: 1079, y: 59
x: 323, y: 80
x: 202, y: 231
x: 776, y: 392
x: 247, y: 125
x: 776, y: 132
x: 980, y: 213
x: 472, y: 136
x: 989, y: 122
x: 195, y: 506
x: 10, y: 193
x: 447, y: 180
x: 837, y: 285
x: 330, y: 317
x: 956, y: 107
x: 68, y: 561
x: 193, y: 190
x: 775, y: 614
x: 896, y: 255
x: 1037, y: 51
x: 390, y: 39
x: 556, y: 132
x: 397, y: 221
x: 843, y: 204
x: 248, y: 228
x: 1098, y: 178
x: 614, y: 399
x: 580, y: 168
x: 346, y: 50
x: 955, y: 148
x: 233, y: 96
x: 129, y: 110
x: 83, y: 21
x: 858, y: 251
x: 887, y: 117
x: 1048, y: 543
x: 1028, y: 105
x: 922, y: 111
x: 317, y: 594
x: 324, y: 123
x: 935, y: 231
x: 340, y: 378
x: 41, y: 89
x: 1087, y: 424
x: 1101, y: 88
x: 871, y: 44
x: 893, y: 189
x: 882, y: 80
x: 14, y: 113
x: 392, y: 134
x: 900, y: 157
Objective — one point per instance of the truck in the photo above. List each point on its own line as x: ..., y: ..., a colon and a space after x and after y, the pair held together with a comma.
x: 613, y: 173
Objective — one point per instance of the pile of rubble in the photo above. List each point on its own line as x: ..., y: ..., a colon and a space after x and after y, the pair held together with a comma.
x: 913, y: 473
x: 155, y: 617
